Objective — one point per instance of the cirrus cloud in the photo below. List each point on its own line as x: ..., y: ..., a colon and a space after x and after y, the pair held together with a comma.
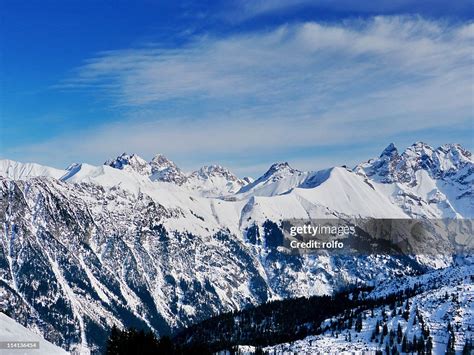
x: 295, y: 86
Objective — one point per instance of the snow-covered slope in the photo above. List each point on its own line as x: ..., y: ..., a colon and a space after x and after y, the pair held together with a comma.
x: 11, y: 331
x: 116, y: 256
x: 279, y: 178
x: 342, y: 191
x: 214, y: 181
x: 21, y: 171
x: 443, y: 308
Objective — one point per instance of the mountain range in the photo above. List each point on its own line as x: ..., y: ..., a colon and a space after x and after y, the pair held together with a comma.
x: 144, y: 244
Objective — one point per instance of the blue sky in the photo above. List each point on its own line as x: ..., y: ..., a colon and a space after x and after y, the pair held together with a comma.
x: 242, y: 83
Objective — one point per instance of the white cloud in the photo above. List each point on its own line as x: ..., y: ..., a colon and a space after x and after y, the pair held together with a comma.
x: 310, y: 57
x: 295, y: 86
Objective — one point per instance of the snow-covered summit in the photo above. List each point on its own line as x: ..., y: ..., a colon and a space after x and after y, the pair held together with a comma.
x: 389, y: 151
x: 163, y: 169
x: 131, y: 162
x: 423, y: 180
x: 280, y: 170
x: 278, y: 179
x: 209, y: 171
x: 391, y: 166
x: 214, y: 181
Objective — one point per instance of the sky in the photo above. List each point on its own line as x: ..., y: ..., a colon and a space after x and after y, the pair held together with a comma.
x: 240, y: 83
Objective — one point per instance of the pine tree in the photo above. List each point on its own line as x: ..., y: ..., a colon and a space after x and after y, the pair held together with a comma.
x: 394, y: 350
x: 165, y: 345
x: 404, y: 344
x: 406, y: 312
x: 391, y: 336
x: 113, y: 342
x: 451, y: 341
x: 358, y: 324
x: 468, y: 349
x: 429, y: 346
x: 399, y: 333
x: 426, y: 331
x: 421, y: 346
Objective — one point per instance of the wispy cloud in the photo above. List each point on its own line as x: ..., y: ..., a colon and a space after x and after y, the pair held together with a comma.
x: 248, y: 9
x: 294, y: 86
x: 300, y: 61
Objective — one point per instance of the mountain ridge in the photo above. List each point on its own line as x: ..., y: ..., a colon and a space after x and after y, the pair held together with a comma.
x: 102, y: 245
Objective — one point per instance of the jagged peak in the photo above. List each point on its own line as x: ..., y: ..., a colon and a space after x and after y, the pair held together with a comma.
x: 130, y: 162
x: 419, y: 147
x: 160, y: 162
x: 125, y: 159
x: 439, y: 163
x: 421, y: 144
x: 163, y: 169
x: 389, y: 151
x: 161, y: 159
x: 213, y: 170
x: 280, y: 167
x: 455, y: 147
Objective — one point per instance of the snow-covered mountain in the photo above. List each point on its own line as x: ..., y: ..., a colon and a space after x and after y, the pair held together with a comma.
x: 163, y: 169
x: 279, y: 178
x: 425, y: 181
x: 208, y: 181
x: 138, y: 243
x: 21, y: 171
x: 441, y: 313
x: 439, y: 163
x: 214, y: 181
x: 130, y: 163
